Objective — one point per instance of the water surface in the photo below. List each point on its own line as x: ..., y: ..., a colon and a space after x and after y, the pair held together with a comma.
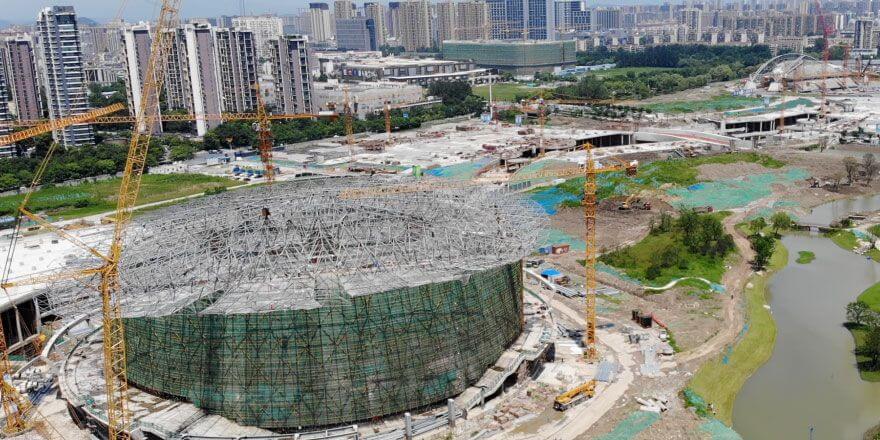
x: 811, y: 378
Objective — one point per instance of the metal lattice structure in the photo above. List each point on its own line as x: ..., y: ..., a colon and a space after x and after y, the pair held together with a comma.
x: 298, y: 307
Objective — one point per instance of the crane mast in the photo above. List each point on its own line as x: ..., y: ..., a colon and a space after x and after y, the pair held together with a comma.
x: 118, y: 417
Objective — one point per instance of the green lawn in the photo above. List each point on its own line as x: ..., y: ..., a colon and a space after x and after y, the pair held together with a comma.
x: 805, y: 257
x: 871, y: 296
x: 715, y: 103
x: 507, y: 91
x: 66, y: 202
x: 719, y: 382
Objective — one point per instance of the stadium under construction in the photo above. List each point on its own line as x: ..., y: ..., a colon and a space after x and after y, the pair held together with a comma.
x: 316, y: 302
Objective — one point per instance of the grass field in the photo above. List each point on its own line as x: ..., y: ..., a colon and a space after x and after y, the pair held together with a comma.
x: 684, y: 172
x: 716, y: 103
x: 506, y: 91
x: 848, y: 240
x: 871, y: 296
x: 805, y: 257
x: 719, y: 382
x: 636, y: 259
x: 680, y: 172
x: 66, y: 202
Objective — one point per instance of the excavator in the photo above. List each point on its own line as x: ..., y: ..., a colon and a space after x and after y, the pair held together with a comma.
x: 575, y: 395
x: 632, y: 202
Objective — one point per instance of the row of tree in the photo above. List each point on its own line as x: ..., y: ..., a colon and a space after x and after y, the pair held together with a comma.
x: 457, y: 100
x: 695, y: 66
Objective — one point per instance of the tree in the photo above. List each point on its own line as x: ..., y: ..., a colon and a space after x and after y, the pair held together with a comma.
x: 851, y: 165
x: 757, y: 225
x: 451, y: 92
x: 869, y: 163
x: 689, y: 223
x: 763, y: 247
x: 780, y: 221
x: 857, y: 311
x: 871, y: 347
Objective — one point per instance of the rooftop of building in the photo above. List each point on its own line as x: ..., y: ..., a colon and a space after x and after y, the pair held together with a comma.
x: 303, y: 244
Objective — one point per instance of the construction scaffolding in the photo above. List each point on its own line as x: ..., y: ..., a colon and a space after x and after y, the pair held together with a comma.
x: 298, y: 307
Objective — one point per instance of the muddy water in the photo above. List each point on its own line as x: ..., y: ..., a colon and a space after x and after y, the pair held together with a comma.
x: 811, y: 378
x: 833, y: 211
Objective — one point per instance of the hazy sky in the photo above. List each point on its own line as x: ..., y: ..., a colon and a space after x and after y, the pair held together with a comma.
x: 103, y: 10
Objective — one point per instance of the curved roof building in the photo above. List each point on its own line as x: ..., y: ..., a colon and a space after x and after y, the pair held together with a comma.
x: 322, y: 302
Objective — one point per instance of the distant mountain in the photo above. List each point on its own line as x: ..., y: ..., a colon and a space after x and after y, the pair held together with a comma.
x: 87, y: 21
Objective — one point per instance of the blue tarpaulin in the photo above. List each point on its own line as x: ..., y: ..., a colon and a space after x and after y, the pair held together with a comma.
x: 547, y: 273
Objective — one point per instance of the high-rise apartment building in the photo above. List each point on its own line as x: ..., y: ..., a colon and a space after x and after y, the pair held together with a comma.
x: 6, y: 150
x: 473, y: 20
x: 321, y: 21
x: 356, y: 34
x: 572, y: 17
x: 203, y: 79
x: 393, y: 21
x: 445, y: 22
x: 60, y: 54
x: 415, y: 24
x: 603, y: 19
x: 136, y: 45
x: 178, y: 91
x: 344, y: 9
x: 264, y: 28
x: 692, y: 18
x: 22, y: 82
x: 293, y: 79
x: 863, y: 37
x: 238, y: 68
x: 376, y: 12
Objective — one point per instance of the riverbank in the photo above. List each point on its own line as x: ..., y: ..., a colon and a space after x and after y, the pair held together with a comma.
x: 871, y: 297
x: 719, y: 380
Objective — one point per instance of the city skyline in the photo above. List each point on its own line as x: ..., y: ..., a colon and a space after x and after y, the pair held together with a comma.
x: 99, y: 11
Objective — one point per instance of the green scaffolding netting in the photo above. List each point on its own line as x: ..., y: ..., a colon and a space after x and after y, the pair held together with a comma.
x: 369, y: 356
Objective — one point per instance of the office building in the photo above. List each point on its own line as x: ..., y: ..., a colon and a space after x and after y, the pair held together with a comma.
x: 376, y: 12
x: 21, y: 78
x: 264, y: 28
x: 356, y: 34
x: 136, y: 44
x: 517, y: 57
x: 415, y: 25
x: 292, y: 73
x: 344, y: 9
x: 237, y: 69
x: 60, y: 54
x: 321, y: 21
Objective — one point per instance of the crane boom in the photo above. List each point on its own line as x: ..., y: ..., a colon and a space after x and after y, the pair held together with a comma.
x: 57, y: 124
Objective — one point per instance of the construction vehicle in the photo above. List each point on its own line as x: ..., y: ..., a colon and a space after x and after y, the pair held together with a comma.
x: 632, y: 202
x: 575, y: 395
